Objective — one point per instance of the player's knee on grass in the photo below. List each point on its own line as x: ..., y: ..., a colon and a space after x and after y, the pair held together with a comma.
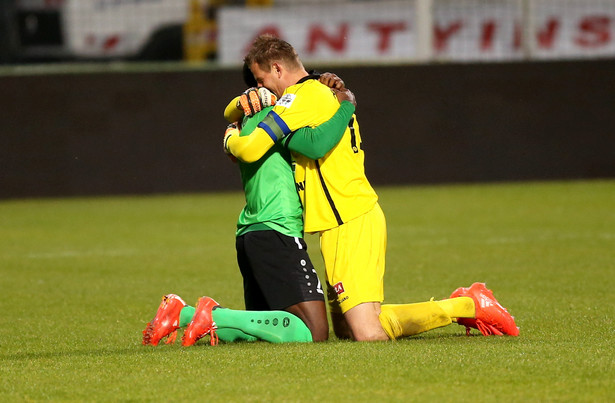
x: 364, y: 322
x: 370, y: 334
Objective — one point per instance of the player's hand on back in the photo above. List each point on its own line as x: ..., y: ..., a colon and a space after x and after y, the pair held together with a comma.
x: 332, y: 81
x: 345, y: 95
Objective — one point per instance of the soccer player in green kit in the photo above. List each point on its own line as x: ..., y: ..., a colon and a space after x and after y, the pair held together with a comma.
x: 283, y: 295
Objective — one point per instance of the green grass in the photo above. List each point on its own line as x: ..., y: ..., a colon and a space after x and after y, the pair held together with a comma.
x: 81, y: 277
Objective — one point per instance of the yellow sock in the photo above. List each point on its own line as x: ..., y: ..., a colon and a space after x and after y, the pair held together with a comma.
x: 460, y: 307
x: 410, y: 319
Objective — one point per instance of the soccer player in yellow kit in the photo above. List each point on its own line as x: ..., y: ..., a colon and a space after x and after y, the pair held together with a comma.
x: 340, y: 204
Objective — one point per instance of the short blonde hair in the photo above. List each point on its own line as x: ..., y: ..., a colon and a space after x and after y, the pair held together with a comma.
x: 267, y: 49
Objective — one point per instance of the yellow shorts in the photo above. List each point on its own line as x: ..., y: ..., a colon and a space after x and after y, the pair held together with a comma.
x: 354, y: 257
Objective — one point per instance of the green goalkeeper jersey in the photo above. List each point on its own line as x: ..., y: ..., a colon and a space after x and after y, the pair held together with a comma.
x: 272, y: 203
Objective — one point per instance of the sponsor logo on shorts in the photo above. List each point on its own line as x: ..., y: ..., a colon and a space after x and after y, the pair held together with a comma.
x: 339, y: 288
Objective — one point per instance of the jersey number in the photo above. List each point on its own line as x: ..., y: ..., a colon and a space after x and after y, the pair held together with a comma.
x: 353, y: 136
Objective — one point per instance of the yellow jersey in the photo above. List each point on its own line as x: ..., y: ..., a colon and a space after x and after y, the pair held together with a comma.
x: 332, y: 189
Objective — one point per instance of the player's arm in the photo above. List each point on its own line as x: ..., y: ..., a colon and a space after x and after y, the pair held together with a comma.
x: 316, y: 142
x: 248, y: 148
x: 312, y: 142
x: 252, y: 147
x: 233, y: 111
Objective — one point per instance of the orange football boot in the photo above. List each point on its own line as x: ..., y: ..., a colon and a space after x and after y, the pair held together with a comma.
x: 202, y: 323
x: 491, y: 318
x: 166, y: 321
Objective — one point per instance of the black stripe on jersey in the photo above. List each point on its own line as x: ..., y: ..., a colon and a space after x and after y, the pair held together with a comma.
x: 328, y: 195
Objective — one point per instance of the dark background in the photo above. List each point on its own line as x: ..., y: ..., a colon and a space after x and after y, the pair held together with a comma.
x: 141, y: 133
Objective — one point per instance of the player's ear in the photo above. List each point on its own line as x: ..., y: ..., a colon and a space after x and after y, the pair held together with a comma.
x: 277, y: 69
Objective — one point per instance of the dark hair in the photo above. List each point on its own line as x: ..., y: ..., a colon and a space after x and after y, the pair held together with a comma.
x: 248, y: 77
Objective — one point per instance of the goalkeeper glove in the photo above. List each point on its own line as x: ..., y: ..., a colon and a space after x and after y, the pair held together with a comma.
x: 254, y: 100
x: 231, y: 130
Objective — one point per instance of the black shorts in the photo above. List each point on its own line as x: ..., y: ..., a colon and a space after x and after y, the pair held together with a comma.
x: 277, y: 271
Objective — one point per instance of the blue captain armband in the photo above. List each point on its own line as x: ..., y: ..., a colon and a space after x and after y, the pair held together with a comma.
x: 275, y: 127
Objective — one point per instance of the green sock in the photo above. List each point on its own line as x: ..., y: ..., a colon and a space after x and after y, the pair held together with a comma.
x: 226, y: 334
x: 230, y: 335
x: 271, y: 326
x: 185, y: 315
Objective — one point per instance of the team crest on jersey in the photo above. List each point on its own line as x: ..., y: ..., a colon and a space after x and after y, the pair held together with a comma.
x: 286, y: 101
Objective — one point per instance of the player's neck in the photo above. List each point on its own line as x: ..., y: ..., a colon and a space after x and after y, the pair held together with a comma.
x: 291, y: 78
x: 296, y: 76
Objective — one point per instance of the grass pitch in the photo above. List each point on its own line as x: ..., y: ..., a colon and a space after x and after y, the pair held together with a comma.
x: 81, y: 277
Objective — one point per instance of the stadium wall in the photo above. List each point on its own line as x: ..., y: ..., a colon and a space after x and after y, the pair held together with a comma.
x: 142, y: 133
